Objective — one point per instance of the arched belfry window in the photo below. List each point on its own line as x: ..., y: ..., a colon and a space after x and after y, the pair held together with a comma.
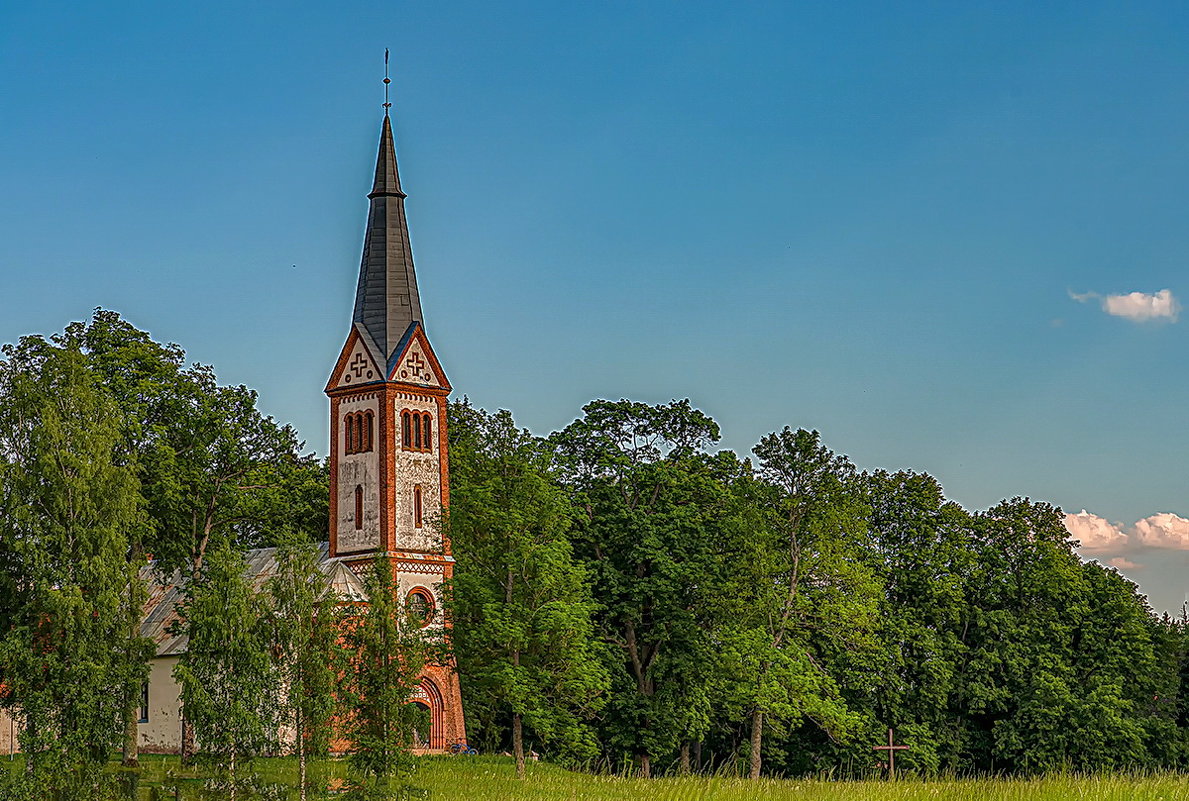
x: 427, y: 431
x: 359, y: 432
x: 406, y: 430
x: 358, y: 507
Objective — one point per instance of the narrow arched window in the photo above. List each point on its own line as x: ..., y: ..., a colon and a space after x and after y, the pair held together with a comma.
x: 427, y: 432
x: 358, y: 507
x: 367, y: 430
x: 349, y: 438
x: 417, y: 519
x: 406, y: 431
x: 416, y: 431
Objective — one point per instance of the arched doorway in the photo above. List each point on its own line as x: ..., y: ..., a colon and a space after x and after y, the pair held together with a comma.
x: 422, y: 724
x: 428, y: 697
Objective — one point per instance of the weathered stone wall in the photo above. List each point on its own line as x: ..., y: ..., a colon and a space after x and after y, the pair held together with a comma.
x: 413, y: 469
x: 358, y: 470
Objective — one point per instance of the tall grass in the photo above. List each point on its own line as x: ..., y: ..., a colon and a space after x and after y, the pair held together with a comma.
x: 490, y: 779
x: 494, y: 779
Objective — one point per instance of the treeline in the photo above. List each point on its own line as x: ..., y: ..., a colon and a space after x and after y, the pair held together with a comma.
x: 627, y: 596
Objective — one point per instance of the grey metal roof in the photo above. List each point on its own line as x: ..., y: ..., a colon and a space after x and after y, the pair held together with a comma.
x: 165, y: 593
x: 386, y: 300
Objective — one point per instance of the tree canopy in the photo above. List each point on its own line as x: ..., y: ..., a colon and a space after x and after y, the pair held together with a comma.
x: 625, y: 594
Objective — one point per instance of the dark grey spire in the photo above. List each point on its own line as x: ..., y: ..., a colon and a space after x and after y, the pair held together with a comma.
x: 386, y: 302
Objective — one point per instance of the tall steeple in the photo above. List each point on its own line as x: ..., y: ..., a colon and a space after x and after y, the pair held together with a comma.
x: 389, y: 445
x: 387, y: 302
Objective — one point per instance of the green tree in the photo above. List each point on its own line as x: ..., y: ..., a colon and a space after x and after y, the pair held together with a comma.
x: 1165, y: 725
x: 801, y: 586
x: 923, y: 552
x: 69, y: 507
x: 650, y: 504
x: 230, y: 684
x: 1043, y: 680
x: 213, y: 468
x: 135, y: 371
x: 384, y: 653
x: 305, y: 635
x: 522, y: 610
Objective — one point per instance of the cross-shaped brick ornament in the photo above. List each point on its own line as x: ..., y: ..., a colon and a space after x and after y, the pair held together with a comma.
x: 358, y: 365
x: 415, y: 363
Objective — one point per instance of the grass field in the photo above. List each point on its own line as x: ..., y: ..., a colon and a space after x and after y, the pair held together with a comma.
x: 494, y: 779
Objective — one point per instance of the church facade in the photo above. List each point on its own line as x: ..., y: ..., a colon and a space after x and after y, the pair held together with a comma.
x: 389, y: 478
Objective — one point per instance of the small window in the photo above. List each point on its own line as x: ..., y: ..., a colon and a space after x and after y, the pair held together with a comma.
x: 417, y: 519
x: 144, y: 703
x: 358, y: 507
x: 419, y: 606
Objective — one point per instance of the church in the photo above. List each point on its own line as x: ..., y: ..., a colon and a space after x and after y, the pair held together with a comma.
x: 389, y: 476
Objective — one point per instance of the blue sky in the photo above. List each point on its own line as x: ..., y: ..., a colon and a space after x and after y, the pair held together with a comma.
x: 867, y: 218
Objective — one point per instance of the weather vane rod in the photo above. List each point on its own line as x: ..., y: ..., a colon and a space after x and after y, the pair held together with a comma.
x: 387, y: 80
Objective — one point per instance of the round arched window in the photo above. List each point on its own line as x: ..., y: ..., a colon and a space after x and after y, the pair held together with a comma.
x: 419, y: 606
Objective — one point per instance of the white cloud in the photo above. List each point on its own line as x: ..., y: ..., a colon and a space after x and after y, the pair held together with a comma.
x: 1136, y: 306
x: 1164, y: 530
x: 1095, y: 533
x: 1123, y: 563
x: 1141, y: 306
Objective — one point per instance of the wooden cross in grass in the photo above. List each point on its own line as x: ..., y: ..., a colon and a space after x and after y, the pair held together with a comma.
x: 891, y: 748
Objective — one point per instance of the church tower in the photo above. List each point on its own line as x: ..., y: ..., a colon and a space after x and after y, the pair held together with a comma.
x: 389, y: 472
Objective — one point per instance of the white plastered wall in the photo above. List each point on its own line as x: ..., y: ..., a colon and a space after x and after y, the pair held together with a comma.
x: 9, y: 734
x: 163, y: 732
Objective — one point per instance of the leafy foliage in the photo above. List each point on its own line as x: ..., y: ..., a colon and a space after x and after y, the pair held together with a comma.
x: 212, y: 467
x: 650, y: 506
x: 800, y: 587
x: 69, y: 508
x: 522, y: 608
x: 231, y: 687
x: 384, y: 653
x: 622, y: 592
x: 305, y: 630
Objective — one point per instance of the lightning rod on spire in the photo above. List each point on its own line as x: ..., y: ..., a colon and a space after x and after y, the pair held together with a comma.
x: 387, y: 80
